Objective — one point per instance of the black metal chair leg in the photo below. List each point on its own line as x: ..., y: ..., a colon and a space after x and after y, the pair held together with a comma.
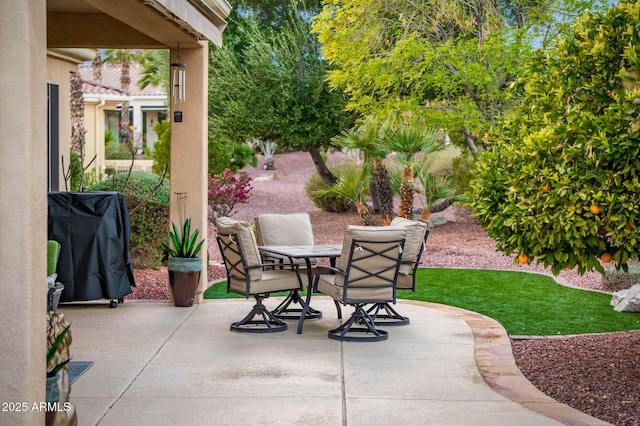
x: 283, y: 310
x: 369, y: 331
x: 384, y: 314
x: 338, y: 308
x: 268, y: 323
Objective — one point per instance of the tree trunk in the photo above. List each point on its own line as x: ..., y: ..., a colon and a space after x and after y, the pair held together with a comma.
x: 125, y: 78
x: 322, y: 168
x: 125, y: 131
x: 440, y: 206
x: 424, y: 216
x: 375, y: 196
x: 385, y: 193
x: 365, y: 214
x: 469, y: 140
x: 406, y: 194
x: 77, y: 117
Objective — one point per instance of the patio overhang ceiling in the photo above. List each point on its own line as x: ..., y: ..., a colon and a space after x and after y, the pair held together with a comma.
x: 135, y: 24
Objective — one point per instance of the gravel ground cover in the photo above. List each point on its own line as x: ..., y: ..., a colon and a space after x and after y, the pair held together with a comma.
x: 596, y: 374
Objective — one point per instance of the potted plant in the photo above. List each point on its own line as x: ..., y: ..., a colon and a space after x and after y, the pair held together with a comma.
x: 53, y: 374
x: 184, y: 263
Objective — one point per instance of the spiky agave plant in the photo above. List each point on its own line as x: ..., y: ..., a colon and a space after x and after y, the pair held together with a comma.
x: 54, y: 368
x: 185, y: 243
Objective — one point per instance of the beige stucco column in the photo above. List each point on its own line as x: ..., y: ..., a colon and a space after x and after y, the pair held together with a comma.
x: 23, y: 208
x: 189, y: 147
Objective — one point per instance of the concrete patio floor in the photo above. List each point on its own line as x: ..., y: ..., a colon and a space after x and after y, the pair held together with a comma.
x: 156, y: 364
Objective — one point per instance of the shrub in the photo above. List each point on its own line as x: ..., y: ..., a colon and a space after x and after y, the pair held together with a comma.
x: 226, y: 190
x: 330, y: 203
x: 149, y: 214
x: 558, y: 184
x: 162, y: 148
x: 115, y: 150
x: 224, y: 154
x: 75, y: 172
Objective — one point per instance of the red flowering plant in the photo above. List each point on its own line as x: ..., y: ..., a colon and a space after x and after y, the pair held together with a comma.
x: 226, y: 190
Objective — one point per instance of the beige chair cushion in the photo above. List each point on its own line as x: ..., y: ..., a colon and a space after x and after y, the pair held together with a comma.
x: 416, y: 231
x: 284, y: 229
x: 327, y: 285
x: 227, y: 225
x: 277, y: 280
x: 289, y: 229
x: 368, y: 233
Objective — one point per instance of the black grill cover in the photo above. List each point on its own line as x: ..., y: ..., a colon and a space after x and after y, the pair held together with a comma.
x: 93, y: 230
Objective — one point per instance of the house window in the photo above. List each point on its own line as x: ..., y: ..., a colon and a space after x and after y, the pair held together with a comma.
x: 114, y: 148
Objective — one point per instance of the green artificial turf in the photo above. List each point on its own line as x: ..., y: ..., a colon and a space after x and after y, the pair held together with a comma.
x: 524, y: 303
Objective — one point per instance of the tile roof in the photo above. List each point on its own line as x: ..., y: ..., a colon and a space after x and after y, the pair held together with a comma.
x: 110, y: 81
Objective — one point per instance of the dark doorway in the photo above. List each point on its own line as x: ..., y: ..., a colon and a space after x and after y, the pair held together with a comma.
x: 53, y: 137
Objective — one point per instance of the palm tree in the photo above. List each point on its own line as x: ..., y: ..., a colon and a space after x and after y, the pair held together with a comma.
x: 367, y: 139
x: 438, y: 192
x: 406, y: 141
x: 124, y: 58
x: 155, y: 69
x: 353, y: 185
x: 97, y: 66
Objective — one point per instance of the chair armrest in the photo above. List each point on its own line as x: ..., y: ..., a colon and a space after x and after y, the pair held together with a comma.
x: 320, y: 269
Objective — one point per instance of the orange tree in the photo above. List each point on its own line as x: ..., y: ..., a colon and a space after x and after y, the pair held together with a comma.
x: 559, y: 182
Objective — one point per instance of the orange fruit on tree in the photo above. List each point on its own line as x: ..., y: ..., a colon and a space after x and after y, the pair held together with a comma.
x: 546, y: 187
x: 606, y: 257
x: 628, y: 225
x: 523, y: 259
x: 594, y: 209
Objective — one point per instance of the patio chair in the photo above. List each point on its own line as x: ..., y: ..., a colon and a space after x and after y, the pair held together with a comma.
x: 289, y: 229
x: 367, y: 273
x: 417, y: 233
x: 245, y: 275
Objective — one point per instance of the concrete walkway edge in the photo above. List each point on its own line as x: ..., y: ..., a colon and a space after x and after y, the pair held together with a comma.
x: 494, y: 358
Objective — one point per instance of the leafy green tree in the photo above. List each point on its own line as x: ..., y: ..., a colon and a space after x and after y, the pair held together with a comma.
x: 448, y: 62
x: 559, y: 183
x: 269, y: 82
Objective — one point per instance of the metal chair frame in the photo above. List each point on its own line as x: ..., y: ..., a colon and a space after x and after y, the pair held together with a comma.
x: 286, y: 309
x: 240, y: 270
x: 360, y: 321
x: 383, y: 313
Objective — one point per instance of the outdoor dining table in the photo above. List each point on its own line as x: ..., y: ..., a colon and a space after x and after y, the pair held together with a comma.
x: 306, y: 252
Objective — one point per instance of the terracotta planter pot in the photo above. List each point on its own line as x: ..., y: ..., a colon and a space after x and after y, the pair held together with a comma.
x: 184, y: 275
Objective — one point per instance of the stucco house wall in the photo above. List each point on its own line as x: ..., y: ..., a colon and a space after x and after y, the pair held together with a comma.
x: 60, y: 64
